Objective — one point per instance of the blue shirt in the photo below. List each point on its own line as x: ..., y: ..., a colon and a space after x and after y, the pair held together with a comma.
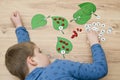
x: 22, y: 34
x: 66, y: 69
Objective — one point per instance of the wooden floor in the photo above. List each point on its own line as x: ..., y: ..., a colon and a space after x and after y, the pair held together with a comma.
x: 46, y: 37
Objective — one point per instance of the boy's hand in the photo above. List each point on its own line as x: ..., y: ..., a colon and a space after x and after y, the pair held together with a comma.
x: 92, y: 37
x: 16, y: 19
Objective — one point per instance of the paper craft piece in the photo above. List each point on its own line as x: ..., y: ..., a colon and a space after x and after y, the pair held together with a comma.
x: 80, y: 17
x: 88, y: 8
x: 98, y: 17
x: 109, y: 30
x: 84, y: 14
x: 38, y: 20
x: 75, y: 32
x: 102, y: 31
x: 98, y: 27
x: 102, y: 25
x: 64, y: 46
x: 79, y: 29
x: 102, y: 39
x: 59, y: 23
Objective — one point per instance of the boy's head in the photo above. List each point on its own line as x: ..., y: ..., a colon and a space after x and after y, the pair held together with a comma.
x: 21, y: 59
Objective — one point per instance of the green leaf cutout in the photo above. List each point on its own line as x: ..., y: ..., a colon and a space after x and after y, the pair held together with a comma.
x: 59, y: 21
x: 83, y: 17
x: 87, y: 8
x: 63, y: 44
x: 38, y: 20
x: 84, y: 14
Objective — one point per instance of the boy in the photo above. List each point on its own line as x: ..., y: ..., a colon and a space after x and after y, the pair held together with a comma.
x: 26, y: 61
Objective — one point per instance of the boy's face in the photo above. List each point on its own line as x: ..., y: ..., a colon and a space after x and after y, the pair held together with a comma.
x: 41, y: 59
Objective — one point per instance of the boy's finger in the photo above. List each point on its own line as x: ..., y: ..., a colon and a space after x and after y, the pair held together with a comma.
x: 13, y: 14
x: 17, y: 12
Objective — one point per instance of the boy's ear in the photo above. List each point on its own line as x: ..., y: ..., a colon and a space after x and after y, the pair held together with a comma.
x: 31, y: 61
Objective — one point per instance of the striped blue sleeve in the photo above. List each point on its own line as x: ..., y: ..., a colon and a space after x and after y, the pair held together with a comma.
x: 22, y: 34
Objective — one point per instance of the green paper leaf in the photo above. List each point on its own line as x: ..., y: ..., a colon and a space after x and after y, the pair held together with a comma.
x: 59, y: 21
x: 63, y: 45
x: 83, y: 17
x: 87, y: 8
x: 84, y: 14
x: 38, y: 21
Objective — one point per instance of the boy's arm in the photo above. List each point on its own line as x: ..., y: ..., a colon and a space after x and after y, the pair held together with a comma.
x: 98, y: 68
x: 95, y: 70
x: 90, y: 71
x: 22, y: 34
